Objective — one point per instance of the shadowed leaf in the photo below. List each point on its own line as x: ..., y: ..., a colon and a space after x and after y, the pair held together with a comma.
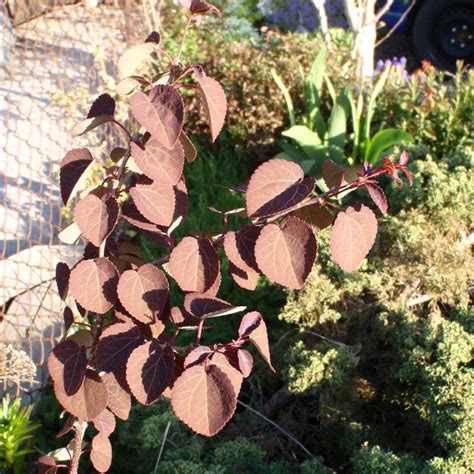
x: 286, y: 251
x: 332, y: 174
x: 352, y: 236
x: 253, y: 326
x: 47, y: 465
x: 62, y: 279
x: 96, y: 217
x: 116, y: 343
x: 67, y: 365
x: 68, y: 317
x: 204, y: 399
x: 197, y: 356
x: 132, y: 215
x: 72, y: 168
x: 245, y: 279
x: 220, y: 360
x: 241, y: 360
x: 194, y: 264
x: 144, y: 292
x: 240, y: 248
x: 161, y: 112
x: 89, y: 401
x: 202, y: 305
x: 315, y: 215
x: 275, y: 186
x: 104, y: 105
x: 162, y: 165
x: 190, y: 151
x: 149, y: 371
x: 93, y: 284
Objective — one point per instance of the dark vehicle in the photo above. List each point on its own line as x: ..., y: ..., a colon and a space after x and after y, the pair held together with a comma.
x: 442, y: 31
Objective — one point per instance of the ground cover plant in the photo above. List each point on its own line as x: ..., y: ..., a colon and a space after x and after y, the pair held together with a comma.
x: 126, y: 338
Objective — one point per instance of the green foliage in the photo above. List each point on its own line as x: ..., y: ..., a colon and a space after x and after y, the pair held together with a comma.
x: 324, y: 369
x: 434, y: 106
x: 347, y: 127
x: 374, y: 460
x: 16, y: 430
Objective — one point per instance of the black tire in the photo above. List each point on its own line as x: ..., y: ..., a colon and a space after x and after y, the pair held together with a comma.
x: 443, y: 32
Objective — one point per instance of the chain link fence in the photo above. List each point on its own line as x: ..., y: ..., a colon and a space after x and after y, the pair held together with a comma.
x: 55, y: 57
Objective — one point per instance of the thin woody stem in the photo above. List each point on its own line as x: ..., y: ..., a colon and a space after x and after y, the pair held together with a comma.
x: 183, y: 39
x: 77, y: 450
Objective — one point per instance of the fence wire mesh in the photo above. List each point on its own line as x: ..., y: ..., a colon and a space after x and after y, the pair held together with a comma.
x: 54, y: 55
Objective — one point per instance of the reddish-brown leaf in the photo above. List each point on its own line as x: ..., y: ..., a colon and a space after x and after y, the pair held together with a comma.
x: 101, y: 453
x: 220, y: 360
x: 157, y: 203
x: 73, y: 166
x: 68, y: 426
x: 103, y: 105
x: 315, y: 215
x: 131, y: 214
x: 275, y: 186
x: 215, y: 102
x: 253, y: 327
x: 162, y: 165
x: 105, y: 422
x: 62, y: 279
x: 89, y: 401
x: 240, y: 248
x: 116, y: 343
x: 286, y: 252
x: 68, y: 317
x: 161, y: 112
x: 67, y: 365
x: 202, y: 305
x: 332, y: 174
x: 241, y: 360
x: 96, y: 217
x: 194, y: 264
x: 245, y: 279
x: 144, y: 292
x: 204, y: 399
x: 200, y: 7
x: 378, y: 196
x: 197, y: 356
x: 47, y: 465
x: 119, y: 402
x: 352, y: 236
x: 149, y: 371
x: 190, y: 152
x: 93, y: 284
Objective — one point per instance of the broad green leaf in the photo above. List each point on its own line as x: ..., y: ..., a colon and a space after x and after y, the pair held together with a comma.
x: 318, y: 123
x: 337, y: 125
x: 286, y: 95
x: 315, y: 80
x: 383, y: 140
x: 308, y: 140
